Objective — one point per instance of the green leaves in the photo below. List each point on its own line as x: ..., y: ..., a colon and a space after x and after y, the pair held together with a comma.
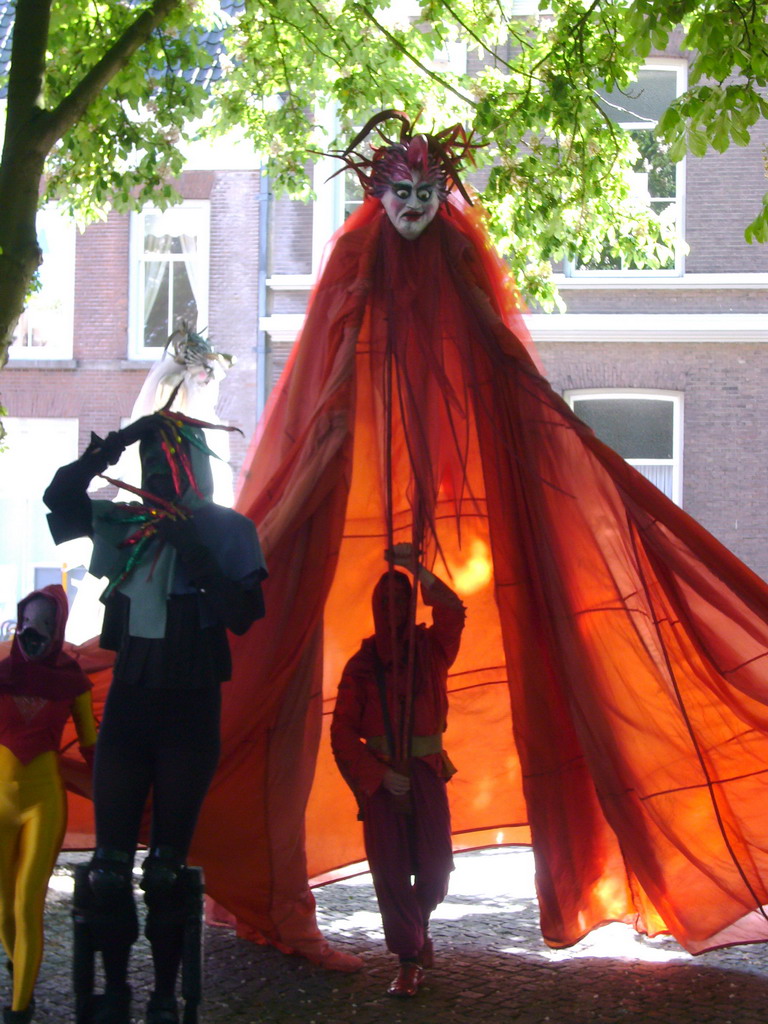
x: 757, y: 231
x: 125, y: 149
x: 712, y: 116
x: 560, y: 183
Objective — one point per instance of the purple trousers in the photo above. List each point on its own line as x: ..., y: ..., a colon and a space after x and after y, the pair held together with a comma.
x: 410, y: 858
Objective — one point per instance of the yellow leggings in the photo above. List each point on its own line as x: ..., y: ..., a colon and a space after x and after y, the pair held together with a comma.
x: 33, y: 815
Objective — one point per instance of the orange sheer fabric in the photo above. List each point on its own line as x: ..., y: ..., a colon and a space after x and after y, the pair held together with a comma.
x: 609, y: 699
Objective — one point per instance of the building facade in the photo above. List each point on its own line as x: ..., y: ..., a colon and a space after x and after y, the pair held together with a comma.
x: 669, y: 366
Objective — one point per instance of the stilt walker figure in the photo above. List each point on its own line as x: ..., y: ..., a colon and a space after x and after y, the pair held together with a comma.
x: 181, y: 571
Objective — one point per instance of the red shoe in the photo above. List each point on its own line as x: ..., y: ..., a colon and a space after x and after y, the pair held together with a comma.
x: 427, y: 953
x: 407, y: 982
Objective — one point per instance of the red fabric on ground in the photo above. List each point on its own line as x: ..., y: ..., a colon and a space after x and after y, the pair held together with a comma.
x: 611, y: 688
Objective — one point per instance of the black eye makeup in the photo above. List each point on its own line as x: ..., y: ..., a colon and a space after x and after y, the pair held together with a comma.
x: 404, y: 190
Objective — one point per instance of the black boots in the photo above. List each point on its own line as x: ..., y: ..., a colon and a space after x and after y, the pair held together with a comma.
x: 113, y: 1006
x: 162, y: 1010
x: 18, y: 1016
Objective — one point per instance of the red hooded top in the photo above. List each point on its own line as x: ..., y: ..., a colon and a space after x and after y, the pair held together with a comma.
x: 36, y: 696
x: 359, y: 715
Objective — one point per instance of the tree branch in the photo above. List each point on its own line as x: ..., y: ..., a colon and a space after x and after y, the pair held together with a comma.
x: 575, y: 33
x: 473, y: 35
x: 311, y: 44
x: 27, y: 71
x: 73, y: 106
x: 406, y: 53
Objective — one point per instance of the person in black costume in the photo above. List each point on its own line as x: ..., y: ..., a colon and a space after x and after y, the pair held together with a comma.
x: 181, y: 571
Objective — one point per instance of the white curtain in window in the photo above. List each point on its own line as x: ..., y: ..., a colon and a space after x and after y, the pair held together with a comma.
x: 661, y: 476
x: 192, y: 266
x: 154, y: 269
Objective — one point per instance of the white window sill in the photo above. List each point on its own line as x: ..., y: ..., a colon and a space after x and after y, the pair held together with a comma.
x: 41, y: 362
x: 290, y: 282
x: 645, y: 327
x: 646, y: 282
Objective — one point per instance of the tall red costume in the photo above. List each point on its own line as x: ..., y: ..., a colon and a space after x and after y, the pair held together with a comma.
x: 610, y: 700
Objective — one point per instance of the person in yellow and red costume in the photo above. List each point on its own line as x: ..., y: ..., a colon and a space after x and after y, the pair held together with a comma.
x: 40, y: 687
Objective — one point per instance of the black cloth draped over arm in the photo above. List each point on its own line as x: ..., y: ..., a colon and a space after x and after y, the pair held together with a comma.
x: 236, y: 603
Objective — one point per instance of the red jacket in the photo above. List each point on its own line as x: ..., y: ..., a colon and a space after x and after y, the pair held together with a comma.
x: 358, y: 714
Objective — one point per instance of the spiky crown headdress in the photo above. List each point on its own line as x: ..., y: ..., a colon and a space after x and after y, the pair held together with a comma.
x: 437, y: 157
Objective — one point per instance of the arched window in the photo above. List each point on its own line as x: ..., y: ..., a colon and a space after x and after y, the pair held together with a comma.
x: 644, y: 427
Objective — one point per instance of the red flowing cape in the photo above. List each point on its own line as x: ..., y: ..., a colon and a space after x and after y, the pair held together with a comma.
x: 608, y: 704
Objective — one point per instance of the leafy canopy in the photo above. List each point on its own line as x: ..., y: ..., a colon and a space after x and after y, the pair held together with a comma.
x: 556, y: 180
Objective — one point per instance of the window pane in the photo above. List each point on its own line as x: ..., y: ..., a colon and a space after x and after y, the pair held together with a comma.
x: 35, y: 450
x: 184, y: 305
x: 643, y: 100
x: 156, y: 239
x: 156, y: 304
x: 635, y: 428
x: 654, y: 162
x: 46, y: 324
x: 170, y: 249
x: 173, y: 231
x: 661, y: 476
x: 654, y: 182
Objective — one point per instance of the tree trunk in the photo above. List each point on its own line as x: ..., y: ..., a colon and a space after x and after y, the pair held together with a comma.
x: 20, y: 254
x: 30, y: 133
x: 22, y: 164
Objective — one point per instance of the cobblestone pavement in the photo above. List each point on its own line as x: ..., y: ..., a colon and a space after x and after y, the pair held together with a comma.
x: 491, y: 966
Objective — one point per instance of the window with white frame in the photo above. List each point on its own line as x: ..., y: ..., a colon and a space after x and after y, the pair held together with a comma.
x: 353, y: 193
x: 45, y: 328
x: 34, y: 450
x: 644, y: 427
x: 169, y: 274
x: 657, y: 181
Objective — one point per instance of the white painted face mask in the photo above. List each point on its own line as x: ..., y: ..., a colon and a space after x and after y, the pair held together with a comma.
x: 411, y: 204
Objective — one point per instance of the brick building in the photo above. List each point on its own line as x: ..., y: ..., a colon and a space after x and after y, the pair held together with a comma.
x: 78, y: 366
x: 670, y: 366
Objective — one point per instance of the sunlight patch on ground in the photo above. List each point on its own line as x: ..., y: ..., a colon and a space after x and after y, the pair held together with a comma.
x: 361, y: 920
x: 452, y: 911
x: 62, y: 884
x: 508, y: 872
x: 612, y: 941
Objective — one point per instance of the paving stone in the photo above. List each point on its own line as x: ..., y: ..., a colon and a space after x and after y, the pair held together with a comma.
x: 492, y: 966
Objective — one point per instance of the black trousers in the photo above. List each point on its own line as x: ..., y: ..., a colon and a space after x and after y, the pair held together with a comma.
x: 158, y: 741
